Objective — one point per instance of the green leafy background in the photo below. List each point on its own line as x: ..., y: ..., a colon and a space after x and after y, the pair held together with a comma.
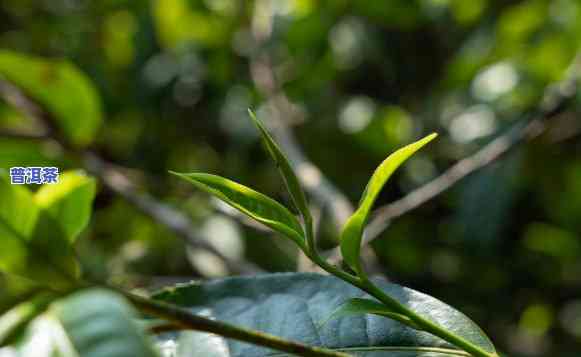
x: 165, y: 85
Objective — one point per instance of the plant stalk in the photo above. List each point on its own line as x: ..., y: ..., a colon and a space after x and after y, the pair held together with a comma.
x: 182, y: 318
x: 423, y: 323
x: 426, y: 324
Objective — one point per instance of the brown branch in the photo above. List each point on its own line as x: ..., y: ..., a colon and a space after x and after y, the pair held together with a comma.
x: 554, y: 102
x: 115, y: 180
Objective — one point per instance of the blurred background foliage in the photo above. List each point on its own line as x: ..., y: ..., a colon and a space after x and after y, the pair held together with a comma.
x: 172, y: 86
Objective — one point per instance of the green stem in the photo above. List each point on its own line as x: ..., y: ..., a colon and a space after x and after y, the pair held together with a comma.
x: 182, y: 318
x: 426, y: 324
x: 313, y: 254
x: 333, y: 270
x: 310, y: 233
x: 421, y: 322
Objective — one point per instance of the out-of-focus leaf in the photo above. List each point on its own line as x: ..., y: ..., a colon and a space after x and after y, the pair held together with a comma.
x: 290, y: 305
x: 396, y: 13
x: 60, y: 87
x: 90, y: 323
x: 20, y: 315
x: 552, y: 241
x: 14, y: 290
x: 521, y: 20
x: 14, y: 152
x: 69, y: 202
x: 252, y: 203
x: 353, y: 229
x: 31, y: 243
x: 358, y: 306
x: 282, y: 163
x: 486, y: 199
x: 174, y: 19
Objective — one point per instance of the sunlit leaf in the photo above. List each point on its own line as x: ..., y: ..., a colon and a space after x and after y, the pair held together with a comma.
x: 283, y: 164
x: 252, y: 203
x: 31, y: 243
x: 173, y: 21
x: 353, y: 230
x: 69, y: 202
x: 61, y: 88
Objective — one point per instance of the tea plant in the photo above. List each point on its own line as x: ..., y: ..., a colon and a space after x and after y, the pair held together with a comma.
x: 274, y: 215
x: 55, y: 301
x: 48, y: 297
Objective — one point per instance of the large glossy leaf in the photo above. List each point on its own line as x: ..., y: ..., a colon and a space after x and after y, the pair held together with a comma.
x: 252, y: 203
x: 353, y: 230
x: 292, y: 305
x: 31, y: 242
x: 91, y: 323
x: 290, y: 178
x: 60, y: 87
x: 69, y: 202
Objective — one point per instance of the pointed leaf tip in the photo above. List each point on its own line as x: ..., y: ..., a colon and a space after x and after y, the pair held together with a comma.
x: 353, y: 229
x: 286, y: 170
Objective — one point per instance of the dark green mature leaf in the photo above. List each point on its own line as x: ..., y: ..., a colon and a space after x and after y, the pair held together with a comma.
x: 31, y: 243
x: 353, y: 230
x: 358, y: 306
x: 290, y: 305
x: 59, y: 86
x: 69, y: 202
x: 91, y: 323
x: 283, y: 164
x: 252, y: 203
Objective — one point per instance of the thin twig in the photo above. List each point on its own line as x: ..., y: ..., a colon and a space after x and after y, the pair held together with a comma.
x: 114, y: 179
x: 554, y: 102
x: 184, y: 319
x: 171, y: 218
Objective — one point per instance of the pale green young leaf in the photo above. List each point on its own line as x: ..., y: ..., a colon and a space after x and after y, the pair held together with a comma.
x: 32, y: 244
x: 353, y: 229
x: 252, y: 203
x: 360, y: 306
x: 69, y: 201
x: 283, y: 164
x: 61, y: 88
